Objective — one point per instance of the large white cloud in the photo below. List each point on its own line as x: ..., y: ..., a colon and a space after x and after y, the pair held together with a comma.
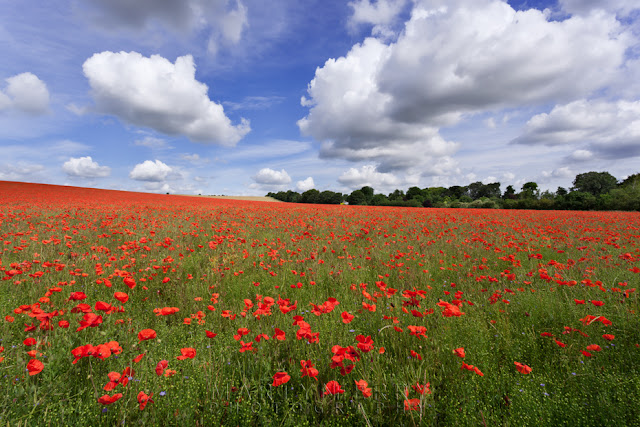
x: 85, y: 167
x: 386, y: 102
x: 367, y: 175
x: 150, y: 171
x: 610, y: 129
x: 306, y: 184
x: 223, y: 20
x: 267, y: 176
x: 155, y: 93
x: 25, y: 92
x: 380, y: 14
x: 586, y: 6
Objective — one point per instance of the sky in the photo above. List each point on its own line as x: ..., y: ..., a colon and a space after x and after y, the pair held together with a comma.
x: 245, y: 97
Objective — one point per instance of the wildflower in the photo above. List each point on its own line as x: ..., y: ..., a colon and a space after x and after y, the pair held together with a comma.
x: 523, y: 369
x: 144, y: 399
x: 280, y: 378
x: 332, y: 387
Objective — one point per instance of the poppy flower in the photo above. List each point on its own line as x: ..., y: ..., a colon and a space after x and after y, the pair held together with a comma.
x: 422, y: 389
x: 597, y: 303
x: 333, y: 387
x: 138, y: 358
x: 82, y: 351
x: 29, y: 342
x: 146, y: 334
x: 34, y: 366
x: 363, y: 386
x: 594, y: 347
x: 279, y: 335
x: 108, y: 400
x: 365, y: 344
x: 608, y: 337
x: 459, y: 352
x: 210, y: 334
x: 161, y: 366
x: 308, y: 370
x: 416, y: 355
x: 144, y: 399
x: 187, y: 353
x: 77, y: 296
x: 241, y: 332
x: 246, y: 346
x: 411, y: 404
x: 121, y: 296
x: 63, y: 324
x: 346, y: 317
x: 280, y: 378
x: 522, y: 368
x: 561, y: 344
x: 130, y: 282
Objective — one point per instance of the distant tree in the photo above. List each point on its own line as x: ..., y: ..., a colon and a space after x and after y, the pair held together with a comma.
x: 456, y: 191
x: 529, y: 191
x: 357, y: 198
x: 561, y: 191
x: 491, y: 190
x: 397, y: 195
x: 594, y: 182
x: 414, y: 193
x: 632, y: 181
x: 330, y: 198
x: 368, y: 193
x: 379, y: 200
x: 310, y: 196
x: 509, y: 193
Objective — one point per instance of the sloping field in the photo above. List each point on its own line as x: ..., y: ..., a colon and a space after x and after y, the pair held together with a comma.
x: 149, y: 309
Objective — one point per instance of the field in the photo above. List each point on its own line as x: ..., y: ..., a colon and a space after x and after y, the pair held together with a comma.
x: 128, y: 308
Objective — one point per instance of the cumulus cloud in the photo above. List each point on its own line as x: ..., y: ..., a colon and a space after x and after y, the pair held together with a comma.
x: 368, y: 175
x: 85, y: 167
x: 150, y: 171
x: 20, y: 171
x: 223, y: 20
x: 386, y: 102
x: 584, y: 7
x: 381, y: 14
x: 26, y: 93
x: 306, y: 184
x: 155, y: 93
x: 267, y: 176
x: 609, y: 129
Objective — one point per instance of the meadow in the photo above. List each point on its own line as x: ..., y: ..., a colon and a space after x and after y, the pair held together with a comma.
x: 129, y: 308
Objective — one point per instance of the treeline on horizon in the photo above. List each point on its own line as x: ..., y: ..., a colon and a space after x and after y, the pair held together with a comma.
x: 590, y: 191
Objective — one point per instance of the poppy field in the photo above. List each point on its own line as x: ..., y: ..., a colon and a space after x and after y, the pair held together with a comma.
x: 129, y: 308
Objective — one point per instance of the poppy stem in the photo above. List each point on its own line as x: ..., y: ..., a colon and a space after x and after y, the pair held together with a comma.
x: 95, y: 391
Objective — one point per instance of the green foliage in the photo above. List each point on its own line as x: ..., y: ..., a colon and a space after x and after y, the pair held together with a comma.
x: 595, y: 183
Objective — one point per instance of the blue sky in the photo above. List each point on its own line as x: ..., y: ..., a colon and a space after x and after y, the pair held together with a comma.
x: 244, y: 97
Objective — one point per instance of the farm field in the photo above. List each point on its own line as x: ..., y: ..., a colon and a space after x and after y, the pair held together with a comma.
x: 130, y: 308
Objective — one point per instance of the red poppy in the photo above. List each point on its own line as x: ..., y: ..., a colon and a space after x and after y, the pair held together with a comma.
x: 108, y: 400
x: 210, y: 334
x: 130, y: 282
x: 597, y: 303
x: 363, y: 386
x: 77, y: 296
x: 280, y: 378
x: 29, y: 342
x: 138, y: 358
x: 594, y: 347
x: 561, y: 344
x: 63, y: 324
x: 422, y: 389
x: 161, y: 366
x: 279, y: 335
x: 411, y: 404
x: 365, y: 344
x: 308, y: 370
x: 246, y: 346
x: 346, y: 317
x: 522, y: 368
x: 34, y: 366
x: 144, y: 399
x: 608, y: 337
x: 187, y: 353
x: 146, y: 334
x: 459, y: 352
x: 241, y: 332
x: 416, y: 355
x: 121, y: 296
x: 332, y: 387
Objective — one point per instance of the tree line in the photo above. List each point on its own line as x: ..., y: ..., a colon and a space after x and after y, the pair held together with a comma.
x: 590, y: 191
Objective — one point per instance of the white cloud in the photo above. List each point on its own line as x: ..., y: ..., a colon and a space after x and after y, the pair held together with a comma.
x: 584, y: 7
x: 155, y: 93
x: 223, y: 20
x: 85, y: 167
x: 381, y: 15
x: 581, y: 155
x: 609, y: 129
x: 305, y: 185
x: 385, y: 103
x: 272, y: 177
x: 150, y: 171
x: 151, y: 142
x: 27, y: 93
x: 367, y: 175
x: 20, y: 171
